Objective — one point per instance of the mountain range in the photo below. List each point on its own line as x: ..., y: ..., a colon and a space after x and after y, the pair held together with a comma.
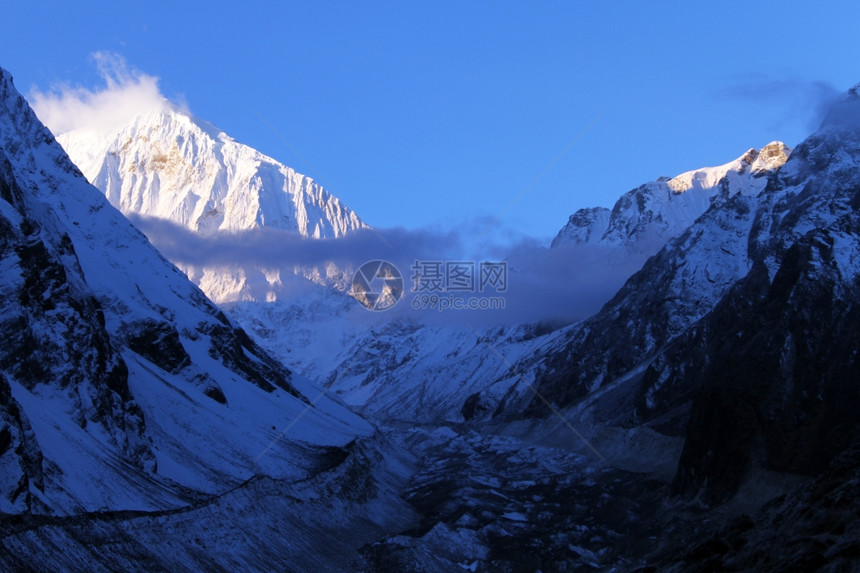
x: 701, y: 418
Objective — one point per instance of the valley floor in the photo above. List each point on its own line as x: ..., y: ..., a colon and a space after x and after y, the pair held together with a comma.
x: 419, y: 499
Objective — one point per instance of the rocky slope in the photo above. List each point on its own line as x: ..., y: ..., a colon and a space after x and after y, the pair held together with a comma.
x: 738, y: 335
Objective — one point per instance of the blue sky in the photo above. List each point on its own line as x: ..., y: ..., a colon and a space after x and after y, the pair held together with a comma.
x: 443, y: 113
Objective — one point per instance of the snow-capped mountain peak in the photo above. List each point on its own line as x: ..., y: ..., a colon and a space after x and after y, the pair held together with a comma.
x: 645, y: 218
x: 770, y: 158
x: 753, y: 163
x: 168, y: 164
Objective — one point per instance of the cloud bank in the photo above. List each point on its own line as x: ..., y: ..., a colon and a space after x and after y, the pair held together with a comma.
x: 127, y: 92
x: 561, y: 284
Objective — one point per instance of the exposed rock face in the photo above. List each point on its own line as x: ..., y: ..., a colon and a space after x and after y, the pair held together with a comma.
x: 780, y: 386
x: 813, y: 528
x: 159, y: 343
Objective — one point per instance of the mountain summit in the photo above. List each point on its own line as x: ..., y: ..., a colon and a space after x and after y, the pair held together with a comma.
x: 643, y: 219
x: 171, y: 165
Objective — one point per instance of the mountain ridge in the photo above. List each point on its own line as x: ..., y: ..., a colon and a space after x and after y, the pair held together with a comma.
x: 169, y: 164
x: 643, y: 219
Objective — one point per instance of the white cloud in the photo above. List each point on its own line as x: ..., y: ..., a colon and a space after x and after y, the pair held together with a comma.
x: 127, y: 92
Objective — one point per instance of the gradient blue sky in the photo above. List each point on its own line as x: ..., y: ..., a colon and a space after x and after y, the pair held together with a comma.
x: 444, y: 112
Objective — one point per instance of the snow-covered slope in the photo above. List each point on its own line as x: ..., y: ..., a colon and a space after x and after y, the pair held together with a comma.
x: 169, y: 165
x: 121, y: 385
